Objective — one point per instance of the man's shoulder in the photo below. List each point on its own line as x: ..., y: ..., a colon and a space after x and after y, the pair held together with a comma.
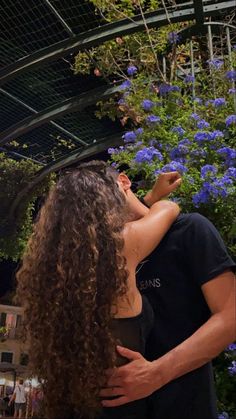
x: 190, y: 219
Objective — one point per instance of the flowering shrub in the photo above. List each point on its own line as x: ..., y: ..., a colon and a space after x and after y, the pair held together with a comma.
x: 193, y: 135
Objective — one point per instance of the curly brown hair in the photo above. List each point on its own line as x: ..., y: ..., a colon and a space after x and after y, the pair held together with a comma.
x: 72, y: 274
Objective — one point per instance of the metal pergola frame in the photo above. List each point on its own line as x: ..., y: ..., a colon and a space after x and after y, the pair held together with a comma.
x: 196, y: 10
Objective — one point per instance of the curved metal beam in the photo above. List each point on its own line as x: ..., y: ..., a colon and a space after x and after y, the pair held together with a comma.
x: 96, y: 37
x: 72, y: 158
x: 67, y: 106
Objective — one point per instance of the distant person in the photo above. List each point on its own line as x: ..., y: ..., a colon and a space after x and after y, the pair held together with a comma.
x: 20, y: 399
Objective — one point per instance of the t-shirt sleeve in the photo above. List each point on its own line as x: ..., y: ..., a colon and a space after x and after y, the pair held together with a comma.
x: 206, y: 252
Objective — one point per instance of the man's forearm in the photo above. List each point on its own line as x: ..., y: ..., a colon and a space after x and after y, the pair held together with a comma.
x: 204, y: 345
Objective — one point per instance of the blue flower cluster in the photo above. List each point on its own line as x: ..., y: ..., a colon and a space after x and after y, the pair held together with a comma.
x: 229, y: 155
x: 147, y: 104
x: 174, y: 166
x: 195, y: 116
x: 220, y: 101
x: 208, y: 171
x: 189, y: 79
x: 230, y: 120
x: 129, y: 137
x: 202, y: 136
x: 153, y: 120
x: 147, y: 154
x: 231, y: 75
x: 178, y: 153
x: 125, y: 85
x: 231, y: 347
x: 179, y: 130
x: 173, y: 37
x: 165, y: 88
x: 215, y: 63
x: 201, y: 124
x: 131, y: 70
x: 232, y: 368
x: 219, y: 188
x: 223, y: 415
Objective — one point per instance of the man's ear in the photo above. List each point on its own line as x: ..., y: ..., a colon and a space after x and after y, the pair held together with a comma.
x: 124, y: 182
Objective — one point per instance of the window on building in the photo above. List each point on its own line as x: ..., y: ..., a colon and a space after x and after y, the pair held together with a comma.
x: 24, y: 359
x: 3, y: 317
x: 7, y: 357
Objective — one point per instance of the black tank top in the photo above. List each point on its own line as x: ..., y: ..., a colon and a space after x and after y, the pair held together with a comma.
x: 131, y: 332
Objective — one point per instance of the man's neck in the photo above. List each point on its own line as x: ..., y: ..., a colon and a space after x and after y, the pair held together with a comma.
x: 137, y: 209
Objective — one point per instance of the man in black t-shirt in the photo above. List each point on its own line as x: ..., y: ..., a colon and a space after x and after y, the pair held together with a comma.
x: 189, y: 281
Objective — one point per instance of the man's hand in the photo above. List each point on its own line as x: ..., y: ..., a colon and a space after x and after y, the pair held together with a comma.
x: 131, y: 382
x: 165, y: 184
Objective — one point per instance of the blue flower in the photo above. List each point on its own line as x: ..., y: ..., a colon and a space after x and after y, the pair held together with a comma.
x: 147, y: 154
x: 231, y: 172
x: 201, y: 197
x: 220, y: 101
x: 232, y: 368
x: 173, y: 37
x: 129, y: 137
x: 203, y: 124
x: 139, y: 131
x: 147, y: 104
x: 231, y: 347
x: 209, y: 102
x: 165, y: 88
x: 115, y: 165
x: 227, y: 152
x: 189, y: 79
x: 178, y: 152
x: 185, y: 141
x: 220, y: 187
x: 152, y: 119
x: 201, y: 137
x: 231, y: 75
x: 112, y: 150
x: 175, y: 88
x: 216, y: 134
x: 198, y: 153
x: 152, y: 142
x: 231, y: 119
x: 232, y: 91
x: 125, y: 85
x: 195, y: 116
x: 131, y: 70
x: 121, y: 101
x: 197, y: 100
x: 174, y: 166
x: 216, y: 63
x: 223, y: 415
x: 179, y: 130
x: 208, y: 171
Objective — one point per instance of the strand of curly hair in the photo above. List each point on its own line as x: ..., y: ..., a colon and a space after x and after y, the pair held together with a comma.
x: 71, y: 276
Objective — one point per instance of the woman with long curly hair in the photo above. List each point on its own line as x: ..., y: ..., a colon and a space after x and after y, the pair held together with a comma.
x: 78, y: 290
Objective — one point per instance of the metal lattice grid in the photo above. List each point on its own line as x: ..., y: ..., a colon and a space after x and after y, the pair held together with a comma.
x: 28, y: 25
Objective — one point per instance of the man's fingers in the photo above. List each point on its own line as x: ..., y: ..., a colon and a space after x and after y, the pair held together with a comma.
x: 111, y: 392
x: 127, y: 353
x: 116, y: 402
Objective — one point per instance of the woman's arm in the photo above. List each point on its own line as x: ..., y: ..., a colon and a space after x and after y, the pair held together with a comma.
x: 142, y: 236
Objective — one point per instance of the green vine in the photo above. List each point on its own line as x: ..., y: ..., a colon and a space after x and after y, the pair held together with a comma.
x: 14, y: 176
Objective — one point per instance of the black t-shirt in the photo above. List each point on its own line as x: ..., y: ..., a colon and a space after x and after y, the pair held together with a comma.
x: 191, y: 254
